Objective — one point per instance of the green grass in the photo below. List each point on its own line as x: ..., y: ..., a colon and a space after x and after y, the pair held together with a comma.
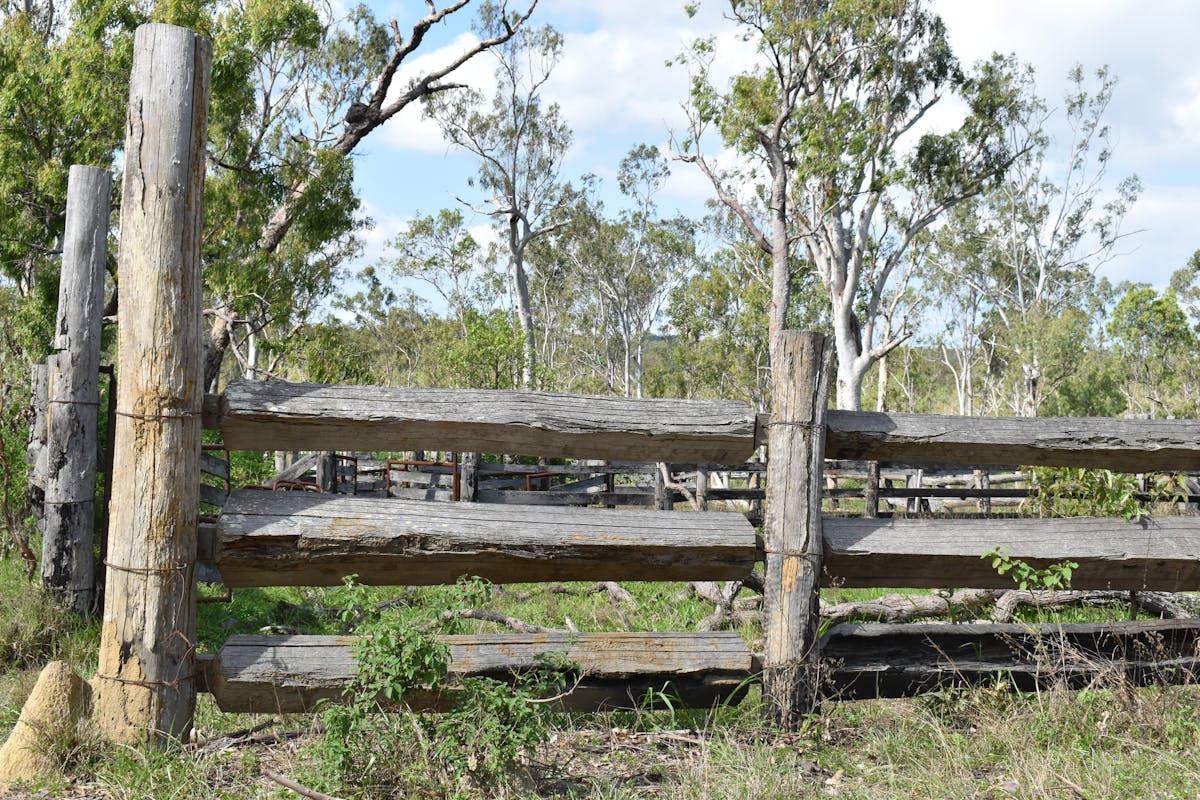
x: 1104, y: 742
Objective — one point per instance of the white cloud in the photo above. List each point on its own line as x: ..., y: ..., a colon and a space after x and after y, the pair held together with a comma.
x: 615, y: 91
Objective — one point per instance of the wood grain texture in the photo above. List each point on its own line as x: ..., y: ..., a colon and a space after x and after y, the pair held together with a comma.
x: 269, y: 674
x: 1119, y: 444
x: 303, y: 539
x: 802, y: 364
x: 301, y: 416
x: 35, y: 453
x: 145, y: 688
x: 73, y: 411
x: 899, y: 660
x: 1161, y: 553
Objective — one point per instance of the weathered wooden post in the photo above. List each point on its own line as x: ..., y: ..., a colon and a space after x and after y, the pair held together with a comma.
x: 74, y: 401
x: 468, y: 477
x: 663, y: 496
x: 327, y: 472
x: 702, y: 487
x: 35, y: 455
x: 792, y: 525
x: 145, y: 677
x: 871, y: 491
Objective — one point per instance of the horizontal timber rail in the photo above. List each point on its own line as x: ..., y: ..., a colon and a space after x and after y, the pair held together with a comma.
x: 871, y: 660
x: 287, y: 674
x: 256, y: 415
x: 1159, y: 553
x: 302, y: 539
x: 1123, y: 445
x: 300, y: 416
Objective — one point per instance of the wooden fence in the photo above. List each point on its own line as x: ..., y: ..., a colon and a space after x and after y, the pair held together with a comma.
x: 293, y: 538
x: 148, y: 671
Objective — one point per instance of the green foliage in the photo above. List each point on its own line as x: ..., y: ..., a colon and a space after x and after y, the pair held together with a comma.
x: 1026, y: 576
x: 1156, y: 346
x: 377, y: 743
x: 1080, y: 492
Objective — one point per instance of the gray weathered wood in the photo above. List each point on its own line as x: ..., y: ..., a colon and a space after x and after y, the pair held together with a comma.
x: 588, y: 485
x: 144, y: 683
x: 1119, y: 444
x: 217, y: 467
x: 664, y: 499
x: 73, y: 411
x: 1160, y: 553
x: 297, y: 469
x: 419, y: 493
x: 469, y: 476
x: 35, y: 454
x: 871, y: 491
x: 898, y: 660
x: 213, y: 495
x: 283, y: 674
x: 302, y: 539
x: 802, y: 363
x: 643, y: 499
x: 295, y: 416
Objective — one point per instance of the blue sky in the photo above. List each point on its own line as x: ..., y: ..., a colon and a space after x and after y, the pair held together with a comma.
x: 616, y: 91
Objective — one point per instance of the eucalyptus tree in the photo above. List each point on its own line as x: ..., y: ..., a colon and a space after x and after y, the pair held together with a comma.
x: 827, y: 124
x: 440, y: 252
x: 521, y: 141
x: 624, y: 267
x: 63, y: 89
x: 1157, y: 349
x: 1039, y: 236
x: 312, y: 88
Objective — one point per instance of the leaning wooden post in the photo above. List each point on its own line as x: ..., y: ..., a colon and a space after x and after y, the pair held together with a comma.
x: 74, y: 402
x: 145, y: 677
x: 792, y: 525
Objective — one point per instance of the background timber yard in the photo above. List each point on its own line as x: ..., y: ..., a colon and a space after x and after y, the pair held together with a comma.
x: 964, y: 232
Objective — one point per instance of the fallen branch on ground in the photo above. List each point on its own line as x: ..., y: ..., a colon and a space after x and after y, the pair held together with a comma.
x: 300, y: 789
x: 486, y: 615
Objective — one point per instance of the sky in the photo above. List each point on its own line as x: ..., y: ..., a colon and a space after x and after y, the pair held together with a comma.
x: 615, y: 91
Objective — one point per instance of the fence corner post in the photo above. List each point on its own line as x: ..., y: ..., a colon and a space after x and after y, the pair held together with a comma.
x: 792, y: 525
x: 146, y: 674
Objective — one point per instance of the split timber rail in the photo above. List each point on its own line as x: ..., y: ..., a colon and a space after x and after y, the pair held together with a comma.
x: 148, y: 672
x: 290, y: 538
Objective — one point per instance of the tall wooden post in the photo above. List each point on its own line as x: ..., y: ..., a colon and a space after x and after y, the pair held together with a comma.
x: 792, y: 525
x: 145, y: 677
x: 74, y: 402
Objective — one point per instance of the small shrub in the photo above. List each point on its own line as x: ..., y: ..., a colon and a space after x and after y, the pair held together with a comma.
x: 377, y: 743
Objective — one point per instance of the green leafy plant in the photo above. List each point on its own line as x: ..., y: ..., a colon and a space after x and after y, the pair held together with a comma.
x: 382, y: 745
x: 1078, y: 492
x: 1026, y: 576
